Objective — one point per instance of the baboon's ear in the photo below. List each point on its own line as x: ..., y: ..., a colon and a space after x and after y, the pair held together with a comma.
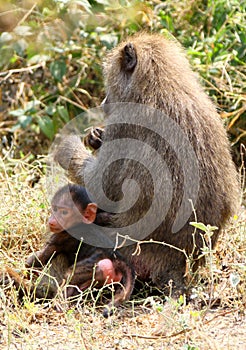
x: 129, y: 57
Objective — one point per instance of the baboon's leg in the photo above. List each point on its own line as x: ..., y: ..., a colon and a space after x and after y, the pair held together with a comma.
x: 10, y: 276
x: 52, y: 277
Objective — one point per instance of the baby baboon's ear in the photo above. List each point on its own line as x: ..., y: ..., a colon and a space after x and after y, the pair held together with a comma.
x: 129, y: 57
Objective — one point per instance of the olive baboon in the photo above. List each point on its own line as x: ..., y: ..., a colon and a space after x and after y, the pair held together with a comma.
x: 152, y: 71
x: 71, y: 208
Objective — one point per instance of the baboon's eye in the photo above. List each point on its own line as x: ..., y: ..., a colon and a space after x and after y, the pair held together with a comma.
x: 64, y: 212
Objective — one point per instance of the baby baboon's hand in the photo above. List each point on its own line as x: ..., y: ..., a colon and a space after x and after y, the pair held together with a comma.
x: 34, y: 260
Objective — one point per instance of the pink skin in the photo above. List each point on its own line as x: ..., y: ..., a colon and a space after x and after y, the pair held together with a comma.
x: 109, y: 274
x: 53, y: 225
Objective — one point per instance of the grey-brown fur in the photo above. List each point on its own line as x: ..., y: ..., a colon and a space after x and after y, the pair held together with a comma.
x: 154, y: 71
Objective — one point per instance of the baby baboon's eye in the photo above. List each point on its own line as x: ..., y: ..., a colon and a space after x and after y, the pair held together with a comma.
x: 65, y: 212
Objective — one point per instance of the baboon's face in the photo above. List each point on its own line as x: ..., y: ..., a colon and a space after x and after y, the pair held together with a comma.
x: 66, y: 214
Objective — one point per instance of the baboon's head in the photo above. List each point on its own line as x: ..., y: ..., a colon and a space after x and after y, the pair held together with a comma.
x: 146, y: 68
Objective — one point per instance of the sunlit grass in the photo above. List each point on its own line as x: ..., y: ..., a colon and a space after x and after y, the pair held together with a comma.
x: 148, y: 318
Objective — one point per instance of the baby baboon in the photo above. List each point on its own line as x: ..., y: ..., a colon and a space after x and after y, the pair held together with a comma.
x: 71, y: 208
x: 153, y: 96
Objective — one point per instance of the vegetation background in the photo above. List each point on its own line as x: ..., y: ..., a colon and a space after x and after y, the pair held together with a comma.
x: 51, y: 55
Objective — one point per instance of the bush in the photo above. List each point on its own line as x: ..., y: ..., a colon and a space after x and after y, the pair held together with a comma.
x: 51, y: 55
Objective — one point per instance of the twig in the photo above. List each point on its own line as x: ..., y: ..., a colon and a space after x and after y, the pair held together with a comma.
x: 180, y: 332
x: 72, y: 102
x: 26, y: 15
x: 78, y: 99
x: 126, y: 237
x: 213, y: 86
x: 8, y: 73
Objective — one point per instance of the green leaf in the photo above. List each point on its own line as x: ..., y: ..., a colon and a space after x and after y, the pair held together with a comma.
x: 159, y: 308
x: 50, y: 110
x: 109, y: 40
x: 58, y: 69
x: 181, y: 300
x: 199, y: 225
x: 63, y: 113
x: 17, y: 112
x: 38, y: 58
x: 46, y: 126
x: 30, y: 106
x: 212, y: 228
x: 6, y: 54
x: 20, y: 47
x: 23, y: 122
x: 167, y: 22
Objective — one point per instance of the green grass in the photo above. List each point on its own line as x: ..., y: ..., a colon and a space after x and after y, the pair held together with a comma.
x: 52, y: 52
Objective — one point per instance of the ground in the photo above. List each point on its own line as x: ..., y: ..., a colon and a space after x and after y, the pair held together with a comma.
x: 213, y: 319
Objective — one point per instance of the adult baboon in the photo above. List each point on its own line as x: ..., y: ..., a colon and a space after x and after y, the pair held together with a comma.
x: 165, y: 109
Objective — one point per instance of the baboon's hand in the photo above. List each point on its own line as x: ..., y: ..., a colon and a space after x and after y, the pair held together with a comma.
x: 93, y: 139
x: 5, y: 279
x: 34, y: 260
x: 30, y: 261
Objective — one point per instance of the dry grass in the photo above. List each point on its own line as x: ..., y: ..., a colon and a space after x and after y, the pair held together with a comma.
x: 215, y: 319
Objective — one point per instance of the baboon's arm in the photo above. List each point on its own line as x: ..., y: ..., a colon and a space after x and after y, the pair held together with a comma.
x: 72, y: 155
